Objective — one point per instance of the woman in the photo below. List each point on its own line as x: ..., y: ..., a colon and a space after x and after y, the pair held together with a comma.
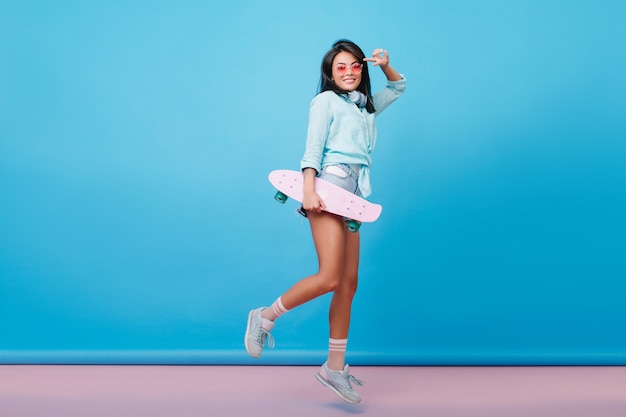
x: 341, y: 137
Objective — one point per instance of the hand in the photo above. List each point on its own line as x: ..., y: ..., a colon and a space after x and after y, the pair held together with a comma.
x: 311, y: 201
x: 380, y: 58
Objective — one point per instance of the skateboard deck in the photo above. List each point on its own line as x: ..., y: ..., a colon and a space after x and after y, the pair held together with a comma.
x: 338, y: 201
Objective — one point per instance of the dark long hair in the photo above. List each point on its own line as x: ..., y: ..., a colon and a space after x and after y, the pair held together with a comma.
x: 326, y: 80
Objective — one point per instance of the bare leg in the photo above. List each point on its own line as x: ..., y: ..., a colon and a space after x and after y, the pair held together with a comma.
x: 341, y: 304
x: 338, y: 254
x: 329, y: 237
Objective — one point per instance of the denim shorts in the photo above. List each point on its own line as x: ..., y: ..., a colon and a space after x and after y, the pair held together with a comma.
x: 341, y: 175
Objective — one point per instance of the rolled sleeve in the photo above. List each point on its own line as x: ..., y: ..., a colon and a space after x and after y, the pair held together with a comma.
x: 389, y: 94
x: 398, y: 86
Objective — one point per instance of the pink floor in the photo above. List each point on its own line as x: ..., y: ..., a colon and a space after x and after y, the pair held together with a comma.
x: 222, y: 391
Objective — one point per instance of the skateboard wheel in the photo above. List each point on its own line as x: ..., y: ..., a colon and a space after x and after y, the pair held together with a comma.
x: 280, y: 197
x: 353, y: 226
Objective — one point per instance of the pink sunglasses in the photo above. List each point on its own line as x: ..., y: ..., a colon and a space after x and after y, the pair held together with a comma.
x: 356, y: 68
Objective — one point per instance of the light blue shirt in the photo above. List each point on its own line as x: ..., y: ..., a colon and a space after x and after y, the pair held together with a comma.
x: 340, y: 132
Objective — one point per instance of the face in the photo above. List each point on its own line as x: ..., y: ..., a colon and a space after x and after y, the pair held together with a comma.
x: 347, y: 71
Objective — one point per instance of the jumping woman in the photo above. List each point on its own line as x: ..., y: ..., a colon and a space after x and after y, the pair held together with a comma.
x: 340, y: 139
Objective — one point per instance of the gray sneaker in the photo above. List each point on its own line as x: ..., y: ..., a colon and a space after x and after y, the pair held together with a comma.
x: 258, y: 332
x: 340, y: 383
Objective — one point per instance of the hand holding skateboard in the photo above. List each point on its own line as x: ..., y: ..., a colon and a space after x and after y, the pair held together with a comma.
x: 335, y: 199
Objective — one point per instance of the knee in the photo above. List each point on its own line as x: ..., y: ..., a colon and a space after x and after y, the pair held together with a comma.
x: 338, y: 283
x: 343, y: 286
x: 330, y: 282
x: 348, y: 286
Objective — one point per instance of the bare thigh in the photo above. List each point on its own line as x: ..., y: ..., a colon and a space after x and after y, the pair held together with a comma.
x: 329, y: 237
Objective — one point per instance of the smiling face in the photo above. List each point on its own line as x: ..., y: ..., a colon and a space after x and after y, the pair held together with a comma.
x: 346, y: 71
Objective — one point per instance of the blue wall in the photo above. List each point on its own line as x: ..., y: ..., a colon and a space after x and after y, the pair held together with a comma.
x: 137, y: 224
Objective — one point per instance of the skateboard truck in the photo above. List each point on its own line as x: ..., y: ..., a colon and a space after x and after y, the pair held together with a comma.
x: 352, y: 225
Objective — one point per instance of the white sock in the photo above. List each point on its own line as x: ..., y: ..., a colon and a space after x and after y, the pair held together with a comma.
x: 337, y: 354
x: 276, y: 310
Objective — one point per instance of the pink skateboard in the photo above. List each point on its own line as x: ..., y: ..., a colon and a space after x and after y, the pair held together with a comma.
x: 338, y: 201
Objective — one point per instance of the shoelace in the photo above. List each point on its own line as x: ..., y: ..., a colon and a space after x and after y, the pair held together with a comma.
x: 351, y: 378
x: 264, y: 335
x: 345, y: 381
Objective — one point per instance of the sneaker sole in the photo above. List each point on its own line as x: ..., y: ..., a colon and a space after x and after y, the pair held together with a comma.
x: 245, y: 338
x: 333, y: 389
